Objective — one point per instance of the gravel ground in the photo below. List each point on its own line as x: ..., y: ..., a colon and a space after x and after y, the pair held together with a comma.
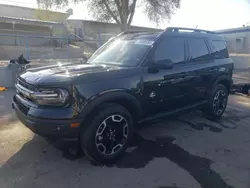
x: 186, y: 151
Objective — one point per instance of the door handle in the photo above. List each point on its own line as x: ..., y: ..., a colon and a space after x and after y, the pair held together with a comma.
x: 213, y: 69
x: 161, y: 83
x: 184, y: 74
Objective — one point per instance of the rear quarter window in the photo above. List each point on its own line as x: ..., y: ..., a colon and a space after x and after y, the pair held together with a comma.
x: 219, y: 49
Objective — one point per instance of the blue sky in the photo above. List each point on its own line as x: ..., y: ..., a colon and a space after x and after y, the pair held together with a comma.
x: 206, y: 14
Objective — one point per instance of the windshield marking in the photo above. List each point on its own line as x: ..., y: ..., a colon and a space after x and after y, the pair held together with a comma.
x: 144, y: 42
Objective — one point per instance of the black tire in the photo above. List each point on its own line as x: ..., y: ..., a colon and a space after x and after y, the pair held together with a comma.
x: 89, y: 136
x: 211, y: 111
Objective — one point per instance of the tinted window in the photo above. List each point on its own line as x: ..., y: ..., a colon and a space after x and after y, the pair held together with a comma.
x: 170, y: 49
x: 198, y: 51
x: 123, y: 52
x: 219, y: 50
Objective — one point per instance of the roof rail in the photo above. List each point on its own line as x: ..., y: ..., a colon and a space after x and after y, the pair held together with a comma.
x: 127, y: 32
x: 176, y: 29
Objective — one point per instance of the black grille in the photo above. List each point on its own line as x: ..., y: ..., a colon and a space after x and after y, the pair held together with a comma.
x: 26, y: 98
x: 26, y: 85
x: 22, y: 107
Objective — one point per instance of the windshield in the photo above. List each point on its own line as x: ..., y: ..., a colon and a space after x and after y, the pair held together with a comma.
x: 121, y: 52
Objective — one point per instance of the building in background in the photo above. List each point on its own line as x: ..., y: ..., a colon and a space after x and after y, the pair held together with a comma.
x: 237, y: 39
x: 238, y: 46
x: 23, y: 21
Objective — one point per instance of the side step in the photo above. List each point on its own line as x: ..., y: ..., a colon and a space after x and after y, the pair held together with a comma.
x: 168, y: 113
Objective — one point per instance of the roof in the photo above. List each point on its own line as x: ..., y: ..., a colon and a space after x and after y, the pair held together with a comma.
x: 234, y: 30
x: 151, y: 35
x: 195, y: 33
x: 24, y: 20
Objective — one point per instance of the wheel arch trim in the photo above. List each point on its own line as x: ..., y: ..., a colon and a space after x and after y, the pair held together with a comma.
x: 226, y: 79
x: 110, y: 96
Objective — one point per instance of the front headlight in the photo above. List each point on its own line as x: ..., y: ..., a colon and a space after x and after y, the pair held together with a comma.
x: 51, y: 97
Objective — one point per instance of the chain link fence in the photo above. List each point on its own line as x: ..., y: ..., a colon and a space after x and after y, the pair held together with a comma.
x: 43, y: 50
x: 37, y: 47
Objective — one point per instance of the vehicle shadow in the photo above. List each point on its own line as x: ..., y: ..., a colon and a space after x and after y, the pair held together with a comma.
x: 39, y: 159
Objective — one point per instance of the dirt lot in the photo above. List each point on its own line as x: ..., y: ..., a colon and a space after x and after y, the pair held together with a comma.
x: 187, y: 151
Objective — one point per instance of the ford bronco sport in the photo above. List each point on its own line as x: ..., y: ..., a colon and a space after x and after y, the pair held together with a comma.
x: 133, y: 78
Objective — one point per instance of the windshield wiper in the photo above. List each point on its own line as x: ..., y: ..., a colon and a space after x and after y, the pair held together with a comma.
x: 84, y: 62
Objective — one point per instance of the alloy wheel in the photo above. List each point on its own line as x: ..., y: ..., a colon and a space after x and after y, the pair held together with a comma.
x: 111, y: 135
x: 219, y: 102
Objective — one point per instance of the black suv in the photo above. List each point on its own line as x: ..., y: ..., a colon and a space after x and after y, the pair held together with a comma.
x: 133, y: 78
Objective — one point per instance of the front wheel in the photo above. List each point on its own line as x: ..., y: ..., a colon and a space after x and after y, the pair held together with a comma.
x: 108, y: 135
x: 217, y: 102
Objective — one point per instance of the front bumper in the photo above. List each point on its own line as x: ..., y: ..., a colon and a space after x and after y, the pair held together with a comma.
x: 52, y: 128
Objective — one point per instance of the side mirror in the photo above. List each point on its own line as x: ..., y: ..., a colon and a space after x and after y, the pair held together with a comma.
x: 162, y: 64
x: 85, y: 58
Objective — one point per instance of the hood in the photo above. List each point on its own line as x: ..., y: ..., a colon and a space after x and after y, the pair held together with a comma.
x: 69, y: 73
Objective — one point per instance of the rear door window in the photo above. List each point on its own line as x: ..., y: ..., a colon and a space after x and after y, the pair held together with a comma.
x: 219, y: 49
x: 198, y: 51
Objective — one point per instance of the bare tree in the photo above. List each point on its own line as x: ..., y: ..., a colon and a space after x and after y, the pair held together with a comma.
x: 121, y: 11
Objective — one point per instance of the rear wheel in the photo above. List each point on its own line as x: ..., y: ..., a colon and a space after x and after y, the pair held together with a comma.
x: 108, y: 135
x: 217, y: 102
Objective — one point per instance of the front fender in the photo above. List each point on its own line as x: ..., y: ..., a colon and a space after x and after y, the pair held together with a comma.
x: 111, y: 96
